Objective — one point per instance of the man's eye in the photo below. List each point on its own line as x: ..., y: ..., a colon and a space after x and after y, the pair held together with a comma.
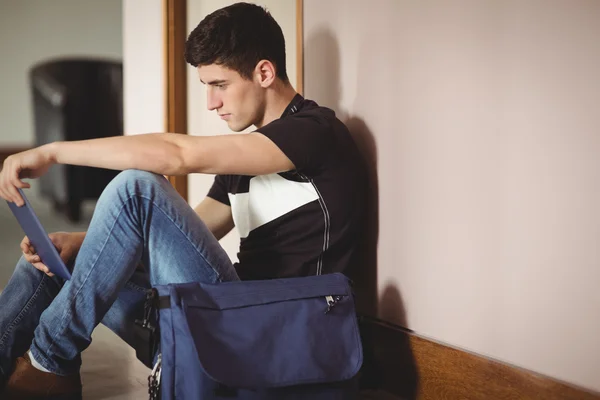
x: 220, y: 86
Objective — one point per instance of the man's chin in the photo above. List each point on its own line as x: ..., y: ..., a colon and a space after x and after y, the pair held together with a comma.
x: 237, y: 127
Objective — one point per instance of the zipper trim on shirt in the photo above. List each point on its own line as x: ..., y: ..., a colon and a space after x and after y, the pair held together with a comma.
x: 327, y: 220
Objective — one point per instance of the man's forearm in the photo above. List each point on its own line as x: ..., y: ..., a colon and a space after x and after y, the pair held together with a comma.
x: 157, y: 152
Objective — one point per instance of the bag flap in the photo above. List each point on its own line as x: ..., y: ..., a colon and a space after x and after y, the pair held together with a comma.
x: 284, y: 332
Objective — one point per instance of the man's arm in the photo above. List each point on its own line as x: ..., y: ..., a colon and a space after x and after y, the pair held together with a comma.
x: 162, y: 153
x: 216, y: 216
x: 175, y: 154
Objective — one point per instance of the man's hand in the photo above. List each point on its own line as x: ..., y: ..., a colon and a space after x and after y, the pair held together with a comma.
x: 28, y: 164
x: 67, y: 244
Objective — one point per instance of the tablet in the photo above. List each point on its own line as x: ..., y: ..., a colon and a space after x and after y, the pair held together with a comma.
x: 39, y: 238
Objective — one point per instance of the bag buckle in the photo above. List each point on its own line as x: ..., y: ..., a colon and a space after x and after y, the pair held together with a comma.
x: 331, y: 302
x: 154, y: 379
x: 146, y: 333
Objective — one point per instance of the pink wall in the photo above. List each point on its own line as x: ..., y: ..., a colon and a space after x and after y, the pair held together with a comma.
x: 484, y: 123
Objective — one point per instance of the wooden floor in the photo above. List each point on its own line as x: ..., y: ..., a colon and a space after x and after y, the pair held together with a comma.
x: 111, y: 370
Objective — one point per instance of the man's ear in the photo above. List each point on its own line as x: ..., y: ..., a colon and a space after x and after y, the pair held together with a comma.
x: 265, y: 73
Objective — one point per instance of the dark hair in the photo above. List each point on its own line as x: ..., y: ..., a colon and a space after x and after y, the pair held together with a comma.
x: 238, y: 37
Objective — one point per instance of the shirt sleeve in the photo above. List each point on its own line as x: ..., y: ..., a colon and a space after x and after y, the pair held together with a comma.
x: 218, y: 190
x: 305, y: 138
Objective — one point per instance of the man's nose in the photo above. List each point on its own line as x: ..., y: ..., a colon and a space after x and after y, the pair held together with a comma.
x: 213, y: 100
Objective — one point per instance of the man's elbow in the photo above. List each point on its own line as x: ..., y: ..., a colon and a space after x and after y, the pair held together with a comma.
x: 189, y: 163
x: 177, y: 166
x: 170, y: 163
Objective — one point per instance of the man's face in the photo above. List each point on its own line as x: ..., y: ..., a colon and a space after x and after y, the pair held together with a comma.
x: 238, y: 101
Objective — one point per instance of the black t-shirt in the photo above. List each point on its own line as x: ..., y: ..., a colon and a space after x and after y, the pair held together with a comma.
x: 306, y: 221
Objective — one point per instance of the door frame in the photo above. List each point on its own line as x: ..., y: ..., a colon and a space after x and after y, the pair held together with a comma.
x: 174, y: 17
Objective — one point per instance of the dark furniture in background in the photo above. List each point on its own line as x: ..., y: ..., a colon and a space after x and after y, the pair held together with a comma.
x: 76, y: 99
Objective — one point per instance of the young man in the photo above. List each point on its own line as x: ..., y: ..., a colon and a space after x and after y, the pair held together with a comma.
x: 293, y: 188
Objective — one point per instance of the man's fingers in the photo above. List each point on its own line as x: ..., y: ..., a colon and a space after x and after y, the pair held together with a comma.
x: 32, y: 258
x: 3, y: 193
x: 15, y: 196
x: 9, y: 182
x: 41, y: 267
x: 28, y: 249
x: 18, y: 183
x: 24, y: 245
x: 15, y: 183
x: 2, y: 172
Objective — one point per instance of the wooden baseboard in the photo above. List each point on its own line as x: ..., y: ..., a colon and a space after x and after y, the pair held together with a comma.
x: 412, y: 367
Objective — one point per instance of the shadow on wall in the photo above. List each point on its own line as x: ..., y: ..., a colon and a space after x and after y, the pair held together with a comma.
x: 322, y: 65
x: 322, y: 53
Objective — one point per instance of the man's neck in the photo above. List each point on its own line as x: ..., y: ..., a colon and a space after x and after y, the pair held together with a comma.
x: 279, y: 99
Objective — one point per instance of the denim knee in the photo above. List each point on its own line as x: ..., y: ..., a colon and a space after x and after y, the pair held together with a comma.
x: 132, y: 176
x: 131, y: 182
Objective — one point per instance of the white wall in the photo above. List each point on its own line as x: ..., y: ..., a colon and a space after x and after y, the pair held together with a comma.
x: 144, y: 74
x: 36, y: 30
x: 485, y: 119
x: 203, y: 122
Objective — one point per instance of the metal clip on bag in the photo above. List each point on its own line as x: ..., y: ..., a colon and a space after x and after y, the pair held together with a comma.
x: 278, y: 339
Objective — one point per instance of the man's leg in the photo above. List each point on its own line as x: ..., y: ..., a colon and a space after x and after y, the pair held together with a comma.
x: 28, y: 293
x: 139, y: 217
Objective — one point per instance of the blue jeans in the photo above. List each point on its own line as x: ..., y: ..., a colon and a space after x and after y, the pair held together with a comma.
x: 139, y: 218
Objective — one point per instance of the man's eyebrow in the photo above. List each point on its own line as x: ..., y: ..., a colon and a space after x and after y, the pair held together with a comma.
x: 215, y: 82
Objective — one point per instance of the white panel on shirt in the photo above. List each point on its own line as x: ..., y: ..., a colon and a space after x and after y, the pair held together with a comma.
x: 270, y: 197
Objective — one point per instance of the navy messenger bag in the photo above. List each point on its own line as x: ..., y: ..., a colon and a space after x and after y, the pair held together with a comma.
x: 281, y: 339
